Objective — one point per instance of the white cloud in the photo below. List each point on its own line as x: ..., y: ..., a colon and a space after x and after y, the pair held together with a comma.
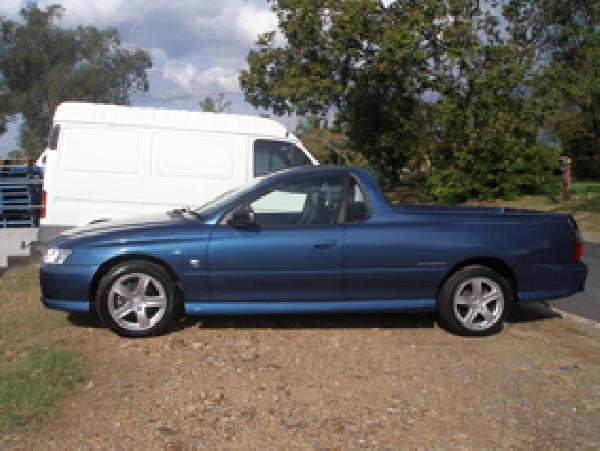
x: 227, y: 79
x: 252, y: 21
x: 183, y: 77
x: 193, y: 81
x: 85, y: 11
x: 10, y: 8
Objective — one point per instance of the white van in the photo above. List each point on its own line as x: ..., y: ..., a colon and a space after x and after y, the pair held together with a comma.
x: 105, y: 162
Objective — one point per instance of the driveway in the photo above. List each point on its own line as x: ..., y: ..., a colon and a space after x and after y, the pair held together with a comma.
x: 586, y: 304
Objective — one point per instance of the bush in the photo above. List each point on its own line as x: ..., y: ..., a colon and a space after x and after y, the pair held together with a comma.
x: 504, y: 173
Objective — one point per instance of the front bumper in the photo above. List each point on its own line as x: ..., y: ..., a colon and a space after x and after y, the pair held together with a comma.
x: 66, y: 287
x: 66, y: 306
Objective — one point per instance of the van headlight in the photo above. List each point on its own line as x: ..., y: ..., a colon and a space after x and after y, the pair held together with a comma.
x: 55, y: 256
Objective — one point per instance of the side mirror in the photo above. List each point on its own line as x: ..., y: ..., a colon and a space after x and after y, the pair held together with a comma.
x: 243, y: 217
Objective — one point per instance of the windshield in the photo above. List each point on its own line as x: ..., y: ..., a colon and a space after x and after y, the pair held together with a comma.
x: 226, y: 198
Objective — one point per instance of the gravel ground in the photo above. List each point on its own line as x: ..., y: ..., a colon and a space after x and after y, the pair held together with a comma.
x: 367, y: 381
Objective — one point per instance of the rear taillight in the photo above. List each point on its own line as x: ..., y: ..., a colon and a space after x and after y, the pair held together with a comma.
x: 43, y: 209
x: 578, y: 241
x: 578, y: 251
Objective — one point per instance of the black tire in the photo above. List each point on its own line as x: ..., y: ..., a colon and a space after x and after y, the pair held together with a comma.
x: 454, y: 315
x: 160, y: 288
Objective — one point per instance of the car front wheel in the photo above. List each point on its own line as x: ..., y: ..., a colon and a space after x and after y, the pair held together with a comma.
x: 136, y: 299
x: 474, y: 301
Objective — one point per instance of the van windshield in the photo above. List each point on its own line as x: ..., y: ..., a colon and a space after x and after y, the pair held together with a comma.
x: 226, y: 198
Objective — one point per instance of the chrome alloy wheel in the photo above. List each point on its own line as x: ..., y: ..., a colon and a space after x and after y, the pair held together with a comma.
x: 478, y: 303
x: 137, y: 301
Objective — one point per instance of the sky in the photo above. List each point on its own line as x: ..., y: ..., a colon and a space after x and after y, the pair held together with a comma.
x: 198, y: 47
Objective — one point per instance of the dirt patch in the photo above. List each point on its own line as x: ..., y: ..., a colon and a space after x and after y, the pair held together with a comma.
x: 328, y: 381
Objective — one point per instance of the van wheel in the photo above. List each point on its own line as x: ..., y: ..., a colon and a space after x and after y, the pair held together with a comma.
x: 474, y: 301
x: 136, y: 299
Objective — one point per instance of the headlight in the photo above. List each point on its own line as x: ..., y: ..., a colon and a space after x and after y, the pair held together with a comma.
x: 55, y: 256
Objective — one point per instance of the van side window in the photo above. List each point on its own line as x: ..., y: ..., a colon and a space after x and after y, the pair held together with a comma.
x: 280, y: 159
x: 271, y: 156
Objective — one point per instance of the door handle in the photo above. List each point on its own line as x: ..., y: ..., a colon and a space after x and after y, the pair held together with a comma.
x: 325, y: 244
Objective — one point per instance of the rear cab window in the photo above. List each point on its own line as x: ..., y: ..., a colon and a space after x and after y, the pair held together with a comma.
x: 357, y: 208
x: 271, y: 156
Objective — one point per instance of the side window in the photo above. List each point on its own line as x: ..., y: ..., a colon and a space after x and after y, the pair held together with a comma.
x: 262, y: 157
x: 356, y: 205
x: 279, y: 159
x: 271, y: 156
x: 308, y: 201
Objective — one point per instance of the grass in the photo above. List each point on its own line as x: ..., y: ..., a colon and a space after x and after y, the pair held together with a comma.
x: 32, y: 381
x: 37, y: 366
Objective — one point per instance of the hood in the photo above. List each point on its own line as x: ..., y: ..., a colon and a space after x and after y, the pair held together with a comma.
x: 139, y: 226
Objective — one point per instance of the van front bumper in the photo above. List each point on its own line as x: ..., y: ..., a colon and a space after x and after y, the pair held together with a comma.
x: 47, y: 233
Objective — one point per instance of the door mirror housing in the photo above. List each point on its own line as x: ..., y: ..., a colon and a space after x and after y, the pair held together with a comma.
x: 243, y: 217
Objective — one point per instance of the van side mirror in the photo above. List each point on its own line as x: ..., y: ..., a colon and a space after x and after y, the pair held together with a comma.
x: 243, y: 217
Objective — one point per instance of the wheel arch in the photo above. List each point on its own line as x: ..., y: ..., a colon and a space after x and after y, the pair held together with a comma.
x: 495, y: 264
x: 109, y: 264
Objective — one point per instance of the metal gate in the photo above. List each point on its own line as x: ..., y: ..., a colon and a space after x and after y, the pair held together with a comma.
x: 20, y: 193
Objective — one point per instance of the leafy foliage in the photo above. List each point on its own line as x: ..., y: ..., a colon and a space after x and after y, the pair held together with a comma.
x: 566, y: 37
x: 487, y: 122
x: 215, y: 104
x: 43, y: 65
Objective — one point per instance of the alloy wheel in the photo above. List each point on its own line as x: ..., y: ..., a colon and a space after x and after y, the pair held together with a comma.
x: 137, y: 301
x: 478, y: 303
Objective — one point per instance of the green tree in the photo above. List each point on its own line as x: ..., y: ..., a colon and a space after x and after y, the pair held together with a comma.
x: 215, y: 104
x: 486, y: 121
x: 488, y: 135
x: 566, y: 37
x: 361, y: 59
x: 43, y: 65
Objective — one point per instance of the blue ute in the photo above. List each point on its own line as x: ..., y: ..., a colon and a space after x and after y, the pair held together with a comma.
x: 314, y: 239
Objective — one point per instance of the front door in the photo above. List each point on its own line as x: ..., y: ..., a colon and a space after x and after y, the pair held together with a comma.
x: 292, y: 253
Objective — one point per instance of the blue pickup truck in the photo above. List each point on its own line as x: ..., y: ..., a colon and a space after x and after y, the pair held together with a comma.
x: 315, y: 239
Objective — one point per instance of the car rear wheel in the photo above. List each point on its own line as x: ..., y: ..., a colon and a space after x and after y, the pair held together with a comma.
x: 136, y: 299
x: 474, y: 301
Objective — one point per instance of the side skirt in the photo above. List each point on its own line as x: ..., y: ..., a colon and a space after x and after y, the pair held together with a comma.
x: 252, y: 308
